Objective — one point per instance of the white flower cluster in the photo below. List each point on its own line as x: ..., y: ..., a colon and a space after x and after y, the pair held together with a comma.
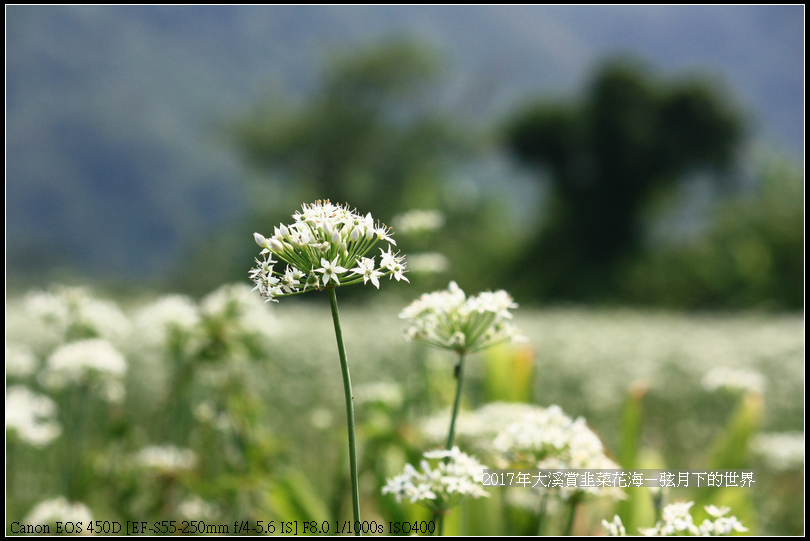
x: 453, y: 477
x: 31, y: 416
x: 94, y: 362
x: 448, y: 319
x: 734, y: 379
x: 548, y: 439
x: 75, y: 311
x: 166, y: 459
x: 58, y: 510
x: 676, y: 520
x: 319, y: 248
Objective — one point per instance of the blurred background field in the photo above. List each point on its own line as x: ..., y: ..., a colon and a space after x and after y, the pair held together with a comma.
x: 232, y: 410
x: 633, y: 176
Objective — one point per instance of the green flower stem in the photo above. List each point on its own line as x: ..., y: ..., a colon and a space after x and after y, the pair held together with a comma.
x: 541, y: 515
x: 572, y: 512
x: 347, y: 389
x: 437, y: 516
x: 460, y: 378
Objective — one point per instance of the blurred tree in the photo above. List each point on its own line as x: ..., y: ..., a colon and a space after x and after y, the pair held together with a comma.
x: 370, y: 135
x: 631, y: 137
x: 373, y: 133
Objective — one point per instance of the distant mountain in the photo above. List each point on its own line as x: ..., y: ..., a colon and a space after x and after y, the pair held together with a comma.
x: 114, y: 155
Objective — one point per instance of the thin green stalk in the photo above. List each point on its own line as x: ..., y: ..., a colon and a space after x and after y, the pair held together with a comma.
x: 460, y: 378
x: 459, y: 373
x: 572, y: 512
x: 347, y: 389
x: 541, y: 515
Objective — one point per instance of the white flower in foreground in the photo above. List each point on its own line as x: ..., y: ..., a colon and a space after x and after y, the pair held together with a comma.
x: 676, y: 520
x: 448, y: 319
x: 31, y: 416
x: 443, y: 480
x: 325, y: 246
x: 94, y: 362
x: 166, y: 459
x: 58, y: 510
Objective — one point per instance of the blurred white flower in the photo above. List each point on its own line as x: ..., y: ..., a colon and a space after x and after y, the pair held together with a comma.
x: 75, y: 310
x: 167, y: 316
x: 32, y: 416
x: 734, y: 379
x: 780, y: 450
x: 166, y: 459
x: 381, y: 392
x: 448, y: 319
x: 95, y: 362
x: 58, y: 510
x: 677, y: 520
x: 452, y: 477
x: 415, y: 222
x: 234, y: 310
x: 195, y: 508
x: 428, y: 263
x: 20, y: 361
x: 547, y: 439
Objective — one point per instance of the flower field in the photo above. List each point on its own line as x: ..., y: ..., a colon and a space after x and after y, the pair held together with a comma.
x: 230, y: 411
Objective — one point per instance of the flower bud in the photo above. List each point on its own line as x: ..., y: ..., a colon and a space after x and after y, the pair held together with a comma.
x: 260, y: 240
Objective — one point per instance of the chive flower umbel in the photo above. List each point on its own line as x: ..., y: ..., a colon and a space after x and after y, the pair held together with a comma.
x: 326, y: 246
x: 448, y: 319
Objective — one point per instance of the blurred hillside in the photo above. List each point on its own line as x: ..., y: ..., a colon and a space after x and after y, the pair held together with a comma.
x: 118, y: 159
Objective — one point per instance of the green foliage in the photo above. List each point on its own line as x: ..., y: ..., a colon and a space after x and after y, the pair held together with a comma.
x: 751, y: 256
x: 631, y: 136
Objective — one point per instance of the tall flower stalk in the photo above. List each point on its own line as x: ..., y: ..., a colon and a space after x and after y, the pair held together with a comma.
x: 326, y: 247
x: 447, y: 319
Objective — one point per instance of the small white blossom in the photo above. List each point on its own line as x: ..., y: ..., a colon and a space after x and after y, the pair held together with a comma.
x: 330, y: 271
x: 615, y: 527
x: 452, y: 477
x: 365, y: 268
